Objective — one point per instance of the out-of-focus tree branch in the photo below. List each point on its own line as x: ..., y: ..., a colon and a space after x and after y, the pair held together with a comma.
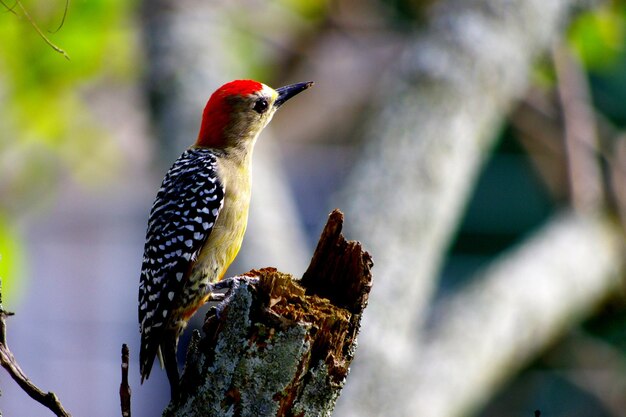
x: 435, y: 126
x: 585, y: 178
x: 513, y: 310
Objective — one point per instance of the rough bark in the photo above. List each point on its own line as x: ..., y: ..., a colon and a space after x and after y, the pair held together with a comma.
x: 280, y: 347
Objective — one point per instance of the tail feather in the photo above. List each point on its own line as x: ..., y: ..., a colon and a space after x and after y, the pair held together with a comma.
x: 149, y: 348
x: 167, y: 356
x: 165, y: 350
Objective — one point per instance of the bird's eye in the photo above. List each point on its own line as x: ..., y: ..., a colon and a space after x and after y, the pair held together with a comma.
x: 260, y: 105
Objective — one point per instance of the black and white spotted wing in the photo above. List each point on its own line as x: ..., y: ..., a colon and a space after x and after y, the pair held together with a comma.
x: 182, y: 217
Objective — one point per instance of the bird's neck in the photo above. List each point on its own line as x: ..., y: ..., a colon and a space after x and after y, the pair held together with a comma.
x: 235, y: 169
x: 240, y: 150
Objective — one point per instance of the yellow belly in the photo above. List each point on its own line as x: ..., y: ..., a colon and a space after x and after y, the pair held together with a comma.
x: 224, y: 242
x: 221, y: 246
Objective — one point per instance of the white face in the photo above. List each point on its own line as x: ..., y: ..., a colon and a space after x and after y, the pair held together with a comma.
x: 250, y: 115
x: 263, y: 104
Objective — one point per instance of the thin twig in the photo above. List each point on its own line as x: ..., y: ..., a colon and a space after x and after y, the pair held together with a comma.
x: 67, y: 5
x: 8, y: 362
x: 3, y: 314
x: 9, y: 9
x: 124, y: 387
x: 43, y: 36
x: 49, y: 399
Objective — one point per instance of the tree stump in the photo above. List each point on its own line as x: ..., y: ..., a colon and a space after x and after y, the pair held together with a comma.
x: 280, y: 346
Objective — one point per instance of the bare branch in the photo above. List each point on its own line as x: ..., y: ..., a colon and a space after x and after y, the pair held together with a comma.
x: 39, y: 31
x: 513, y: 310
x: 9, y: 9
x: 435, y: 126
x: 67, y: 5
x: 124, y: 387
x: 8, y: 362
x: 581, y: 142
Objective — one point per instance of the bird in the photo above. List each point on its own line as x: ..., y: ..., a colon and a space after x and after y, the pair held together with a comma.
x: 199, y: 216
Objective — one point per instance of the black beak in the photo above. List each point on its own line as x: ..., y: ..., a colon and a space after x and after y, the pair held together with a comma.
x: 288, y: 91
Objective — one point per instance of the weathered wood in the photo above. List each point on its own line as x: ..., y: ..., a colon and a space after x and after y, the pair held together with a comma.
x: 277, y: 346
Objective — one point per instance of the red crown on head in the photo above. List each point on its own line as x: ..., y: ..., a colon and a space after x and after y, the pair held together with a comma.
x: 238, y: 88
x: 216, y: 113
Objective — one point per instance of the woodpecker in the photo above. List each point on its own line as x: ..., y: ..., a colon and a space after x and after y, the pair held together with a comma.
x: 198, y: 219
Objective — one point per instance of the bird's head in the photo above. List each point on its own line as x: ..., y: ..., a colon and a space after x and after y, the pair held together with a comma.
x: 238, y: 111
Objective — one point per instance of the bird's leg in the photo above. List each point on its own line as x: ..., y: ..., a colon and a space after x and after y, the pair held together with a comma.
x: 229, y: 283
x: 212, y: 295
x: 215, y: 296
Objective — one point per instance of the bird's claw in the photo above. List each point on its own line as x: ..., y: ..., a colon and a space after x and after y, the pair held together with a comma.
x: 230, y: 284
x: 216, y: 296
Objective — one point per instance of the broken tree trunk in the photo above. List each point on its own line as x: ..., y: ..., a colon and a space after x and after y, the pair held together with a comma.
x: 279, y: 346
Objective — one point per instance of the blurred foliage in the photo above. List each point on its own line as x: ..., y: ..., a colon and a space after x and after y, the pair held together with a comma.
x: 599, y: 39
x: 598, y: 36
x: 264, y: 40
x: 311, y: 10
x: 47, y: 129
x: 47, y: 95
x: 11, y: 263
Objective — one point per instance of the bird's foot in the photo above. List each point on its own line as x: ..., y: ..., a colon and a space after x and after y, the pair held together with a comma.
x: 231, y: 285
x: 215, y: 296
x: 226, y: 283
